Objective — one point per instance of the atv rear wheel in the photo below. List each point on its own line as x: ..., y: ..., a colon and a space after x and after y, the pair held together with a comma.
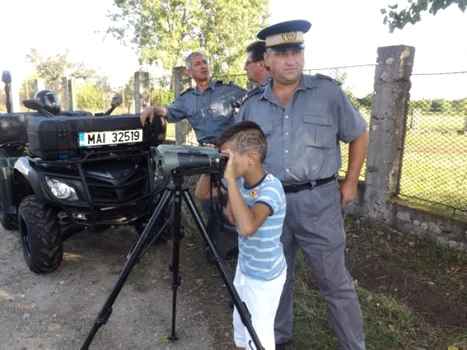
x: 8, y: 221
x: 41, y: 236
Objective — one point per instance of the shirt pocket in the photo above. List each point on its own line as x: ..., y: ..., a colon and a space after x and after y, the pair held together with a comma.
x: 267, y: 129
x: 319, y: 132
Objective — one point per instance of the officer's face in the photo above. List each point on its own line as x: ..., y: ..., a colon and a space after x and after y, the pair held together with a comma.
x: 199, y: 70
x: 286, y: 65
x: 254, y: 69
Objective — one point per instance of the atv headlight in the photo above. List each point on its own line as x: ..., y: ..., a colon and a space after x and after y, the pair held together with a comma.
x: 60, y: 189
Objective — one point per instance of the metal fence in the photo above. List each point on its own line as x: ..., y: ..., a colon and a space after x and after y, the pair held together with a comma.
x: 434, y: 164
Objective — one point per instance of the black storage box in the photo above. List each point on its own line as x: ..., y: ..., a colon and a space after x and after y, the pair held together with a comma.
x: 13, y: 127
x: 63, y: 137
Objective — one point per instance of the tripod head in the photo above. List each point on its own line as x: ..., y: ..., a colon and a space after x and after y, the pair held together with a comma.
x: 173, y: 160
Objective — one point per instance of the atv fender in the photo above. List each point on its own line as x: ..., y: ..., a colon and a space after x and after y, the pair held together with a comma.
x: 6, y: 183
x: 30, y: 174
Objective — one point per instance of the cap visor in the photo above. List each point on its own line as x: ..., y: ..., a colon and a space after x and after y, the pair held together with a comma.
x: 287, y: 46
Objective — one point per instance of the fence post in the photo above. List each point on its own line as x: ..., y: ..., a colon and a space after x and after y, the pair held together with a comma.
x: 39, y: 85
x: 65, y: 92
x: 142, y: 91
x: 181, y: 82
x: 72, y: 102
x: 387, y: 128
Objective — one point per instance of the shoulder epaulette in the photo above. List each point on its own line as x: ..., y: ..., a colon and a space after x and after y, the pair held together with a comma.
x: 230, y: 83
x: 327, y: 77
x: 185, y: 91
x: 251, y: 93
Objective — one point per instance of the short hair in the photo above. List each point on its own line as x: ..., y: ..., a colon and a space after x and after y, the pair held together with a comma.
x: 190, y: 56
x: 257, y: 49
x: 245, y: 136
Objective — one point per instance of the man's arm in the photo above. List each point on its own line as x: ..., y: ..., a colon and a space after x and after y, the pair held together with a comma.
x: 248, y: 220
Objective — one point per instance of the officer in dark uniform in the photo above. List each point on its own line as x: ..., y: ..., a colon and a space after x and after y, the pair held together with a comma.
x: 209, y: 107
x: 304, y: 117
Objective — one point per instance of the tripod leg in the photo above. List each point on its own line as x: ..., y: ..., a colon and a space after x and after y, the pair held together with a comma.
x: 174, y: 267
x: 241, y: 307
x: 106, y: 310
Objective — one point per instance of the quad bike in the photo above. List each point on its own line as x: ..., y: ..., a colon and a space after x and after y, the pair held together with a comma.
x: 63, y: 172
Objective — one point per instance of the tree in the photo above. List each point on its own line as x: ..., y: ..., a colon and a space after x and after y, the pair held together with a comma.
x: 165, y: 31
x: 412, y: 14
x: 52, y: 68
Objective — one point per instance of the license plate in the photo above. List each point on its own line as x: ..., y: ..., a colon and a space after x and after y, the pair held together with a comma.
x: 105, y: 138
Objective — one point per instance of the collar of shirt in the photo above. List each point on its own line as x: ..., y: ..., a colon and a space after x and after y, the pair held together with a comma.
x: 212, y: 86
x: 266, y: 80
x: 306, y: 82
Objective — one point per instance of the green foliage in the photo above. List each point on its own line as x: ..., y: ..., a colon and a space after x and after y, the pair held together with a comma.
x: 53, y: 68
x: 165, y: 31
x: 129, y: 94
x: 89, y: 97
x: 412, y: 14
x: 441, y: 105
x: 161, y: 97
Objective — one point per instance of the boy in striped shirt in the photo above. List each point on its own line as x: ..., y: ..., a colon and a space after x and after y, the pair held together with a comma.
x: 257, y: 207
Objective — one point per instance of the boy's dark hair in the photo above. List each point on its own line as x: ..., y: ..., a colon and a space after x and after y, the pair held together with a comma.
x: 245, y: 136
x: 257, y: 49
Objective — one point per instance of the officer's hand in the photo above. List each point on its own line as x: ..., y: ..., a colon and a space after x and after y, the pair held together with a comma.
x: 209, y: 145
x: 150, y: 113
x: 348, y: 190
x: 147, y: 113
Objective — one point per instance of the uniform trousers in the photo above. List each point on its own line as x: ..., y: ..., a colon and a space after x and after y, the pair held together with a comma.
x: 314, y: 224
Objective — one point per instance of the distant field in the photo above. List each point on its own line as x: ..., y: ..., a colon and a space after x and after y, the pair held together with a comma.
x: 434, y: 166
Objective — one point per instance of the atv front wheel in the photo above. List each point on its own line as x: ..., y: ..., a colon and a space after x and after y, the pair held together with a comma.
x: 39, y: 228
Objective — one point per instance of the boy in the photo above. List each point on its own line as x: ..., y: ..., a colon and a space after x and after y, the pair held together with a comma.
x: 257, y: 204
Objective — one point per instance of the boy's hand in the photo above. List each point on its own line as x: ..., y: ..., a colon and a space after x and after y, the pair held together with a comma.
x: 231, y: 168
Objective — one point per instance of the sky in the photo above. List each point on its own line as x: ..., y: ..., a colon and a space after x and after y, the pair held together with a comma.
x: 343, y: 33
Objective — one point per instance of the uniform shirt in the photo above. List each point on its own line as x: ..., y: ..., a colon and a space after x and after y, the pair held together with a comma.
x: 210, y: 112
x: 260, y: 256
x: 303, y: 139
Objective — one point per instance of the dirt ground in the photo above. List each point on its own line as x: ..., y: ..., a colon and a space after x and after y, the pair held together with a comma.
x: 57, y: 310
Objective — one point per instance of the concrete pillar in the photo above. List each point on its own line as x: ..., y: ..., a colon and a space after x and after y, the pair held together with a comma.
x: 142, y: 91
x: 39, y: 85
x: 65, y: 93
x: 181, y: 82
x: 387, y: 128
x: 72, y: 100
x: 15, y: 102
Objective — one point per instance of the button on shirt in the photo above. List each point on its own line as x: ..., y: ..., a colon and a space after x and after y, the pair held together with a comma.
x: 208, y: 112
x: 303, y: 138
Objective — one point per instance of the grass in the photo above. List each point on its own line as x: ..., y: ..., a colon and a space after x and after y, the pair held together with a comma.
x: 396, y: 315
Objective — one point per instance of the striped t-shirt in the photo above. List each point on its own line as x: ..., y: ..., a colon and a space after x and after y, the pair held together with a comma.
x: 261, y: 255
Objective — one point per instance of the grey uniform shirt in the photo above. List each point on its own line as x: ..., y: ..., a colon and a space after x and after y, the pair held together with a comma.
x: 210, y: 112
x: 303, y: 139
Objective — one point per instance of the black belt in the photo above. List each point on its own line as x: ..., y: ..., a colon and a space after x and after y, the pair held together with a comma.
x: 307, y: 185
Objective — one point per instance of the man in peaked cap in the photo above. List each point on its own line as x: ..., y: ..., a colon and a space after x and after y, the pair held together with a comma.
x: 304, y: 117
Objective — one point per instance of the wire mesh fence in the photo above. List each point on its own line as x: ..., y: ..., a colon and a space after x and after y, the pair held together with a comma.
x: 434, y: 164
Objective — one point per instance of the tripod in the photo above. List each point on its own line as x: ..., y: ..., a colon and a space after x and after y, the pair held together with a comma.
x: 178, y: 191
